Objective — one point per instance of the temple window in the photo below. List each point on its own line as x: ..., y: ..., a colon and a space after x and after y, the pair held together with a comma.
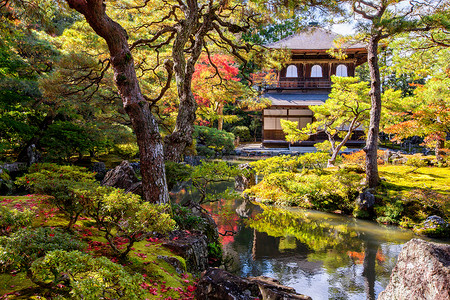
x: 291, y: 71
x: 316, y: 71
x: 341, y: 71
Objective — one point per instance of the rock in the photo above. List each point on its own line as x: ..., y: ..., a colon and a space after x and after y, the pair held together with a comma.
x: 217, y: 284
x: 16, y: 167
x: 33, y: 155
x: 365, y: 200
x: 122, y: 176
x: 422, y: 272
x: 399, y: 161
x: 193, y: 247
x: 136, y: 188
x: 433, y: 226
x: 100, y: 169
x: 246, y: 179
x: 174, y: 262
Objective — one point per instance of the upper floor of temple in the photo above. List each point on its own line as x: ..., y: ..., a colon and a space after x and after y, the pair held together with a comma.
x: 311, y: 66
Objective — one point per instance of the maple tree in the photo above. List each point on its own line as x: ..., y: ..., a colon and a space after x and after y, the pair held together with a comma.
x: 215, y: 84
x: 425, y: 114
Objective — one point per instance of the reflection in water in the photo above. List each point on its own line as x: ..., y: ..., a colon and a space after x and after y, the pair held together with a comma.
x: 322, y: 255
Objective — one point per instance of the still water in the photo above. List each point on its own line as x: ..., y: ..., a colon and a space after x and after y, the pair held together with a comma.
x: 322, y: 255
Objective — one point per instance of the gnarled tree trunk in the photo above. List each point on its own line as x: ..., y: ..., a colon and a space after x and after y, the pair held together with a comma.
x: 372, y: 178
x: 137, y: 108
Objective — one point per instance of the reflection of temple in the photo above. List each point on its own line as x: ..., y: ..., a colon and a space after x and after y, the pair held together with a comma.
x: 305, y: 81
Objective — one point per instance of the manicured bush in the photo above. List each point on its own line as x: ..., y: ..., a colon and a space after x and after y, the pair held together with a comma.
x: 83, y: 277
x: 12, y: 219
x: 123, y: 217
x: 325, y: 190
x: 60, y: 182
x: 243, y: 132
x: 26, y: 245
x: 276, y: 164
x: 211, y: 141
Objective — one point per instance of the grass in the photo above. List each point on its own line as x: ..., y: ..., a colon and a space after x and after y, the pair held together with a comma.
x: 400, y: 178
x: 161, y: 281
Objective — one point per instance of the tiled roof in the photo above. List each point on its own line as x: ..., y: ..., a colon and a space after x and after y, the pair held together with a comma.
x: 293, y: 99
x: 315, y: 38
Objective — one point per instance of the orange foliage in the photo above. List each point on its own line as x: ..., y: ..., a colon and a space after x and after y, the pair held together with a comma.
x: 359, y: 157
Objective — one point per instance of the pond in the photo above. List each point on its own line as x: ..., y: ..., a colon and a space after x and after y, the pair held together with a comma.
x: 322, y: 255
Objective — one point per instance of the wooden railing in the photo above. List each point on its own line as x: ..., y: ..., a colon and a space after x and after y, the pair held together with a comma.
x: 303, y: 84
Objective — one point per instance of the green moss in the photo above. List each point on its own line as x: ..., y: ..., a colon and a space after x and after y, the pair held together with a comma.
x: 400, y: 178
x: 10, y: 283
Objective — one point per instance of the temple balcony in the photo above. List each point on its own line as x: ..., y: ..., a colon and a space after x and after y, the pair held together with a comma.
x: 306, y: 84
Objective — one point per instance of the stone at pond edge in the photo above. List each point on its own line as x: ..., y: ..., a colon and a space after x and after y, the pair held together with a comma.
x: 217, y: 284
x: 422, y: 272
x: 433, y: 226
x: 246, y: 179
x: 192, y: 247
x: 366, y: 200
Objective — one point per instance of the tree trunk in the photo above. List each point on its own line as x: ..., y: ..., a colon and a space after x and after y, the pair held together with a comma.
x: 372, y: 178
x: 440, y: 143
x: 138, y: 109
x: 220, y: 119
x: 192, y: 33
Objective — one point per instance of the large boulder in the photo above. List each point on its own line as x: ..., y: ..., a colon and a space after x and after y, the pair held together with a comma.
x: 422, y: 272
x: 192, y: 246
x: 217, y: 284
x: 123, y: 177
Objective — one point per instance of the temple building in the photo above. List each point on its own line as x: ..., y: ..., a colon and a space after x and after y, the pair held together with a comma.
x: 305, y: 81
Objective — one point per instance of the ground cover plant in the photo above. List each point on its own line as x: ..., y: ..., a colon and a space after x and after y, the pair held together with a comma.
x: 109, y: 252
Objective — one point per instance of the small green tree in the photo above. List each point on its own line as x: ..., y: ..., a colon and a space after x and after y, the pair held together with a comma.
x: 346, y: 110
x: 60, y: 182
x: 124, y: 218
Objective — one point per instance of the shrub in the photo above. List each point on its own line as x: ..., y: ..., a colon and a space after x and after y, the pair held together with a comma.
x: 185, y: 219
x: 359, y: 158
x: 390, y: 213
x: 60, y: 182
x: 416, y: 161
x: 176, y: 172
x: 12, y: 220
x: 206, y: 174
x: 126, y: 151
x: 243, y: 132
x: 63, y: 139
x: 85, y: 277
x: 215, y: 254
x: 26, y: 245
x: 326, y: 191
x: 276, y: 164
x: 123, y: 217
x: 314, y: 160
x: 211, y: 141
